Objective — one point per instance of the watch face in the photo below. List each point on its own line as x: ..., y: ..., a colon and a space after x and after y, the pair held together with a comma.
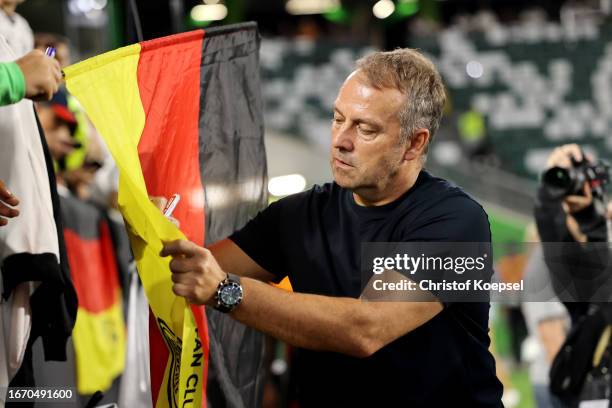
x: 231, y: 294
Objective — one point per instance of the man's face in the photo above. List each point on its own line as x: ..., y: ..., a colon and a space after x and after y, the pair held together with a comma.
x: 366, y: 153
x: 57, y: 132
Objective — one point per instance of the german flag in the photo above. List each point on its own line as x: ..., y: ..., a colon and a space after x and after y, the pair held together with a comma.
x: 99, y: 332
x: 183, y: 115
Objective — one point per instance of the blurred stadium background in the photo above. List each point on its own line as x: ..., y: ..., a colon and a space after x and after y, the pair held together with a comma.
x: 522, y: 76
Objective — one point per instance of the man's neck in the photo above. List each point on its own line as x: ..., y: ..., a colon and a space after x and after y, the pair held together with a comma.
x: 9, y: 10
x: 390, y: 194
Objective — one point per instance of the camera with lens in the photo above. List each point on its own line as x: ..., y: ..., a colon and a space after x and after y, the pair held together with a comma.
x: 560, y: 182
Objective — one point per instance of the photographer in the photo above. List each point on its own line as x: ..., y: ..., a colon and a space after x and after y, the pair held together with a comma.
x: 570, y: 209
x: 572, y: 221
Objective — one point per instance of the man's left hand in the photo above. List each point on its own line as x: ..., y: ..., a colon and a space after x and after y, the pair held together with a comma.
x: 195, y: 271
x: 7, y: 203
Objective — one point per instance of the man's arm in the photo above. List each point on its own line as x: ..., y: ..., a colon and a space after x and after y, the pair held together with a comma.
x: 343, y: 325
x: 35, y: 76
x: 12, y: 83
x: 232, y: 259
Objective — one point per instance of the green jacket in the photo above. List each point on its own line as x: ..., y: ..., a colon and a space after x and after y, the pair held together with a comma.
x: 12, y: 83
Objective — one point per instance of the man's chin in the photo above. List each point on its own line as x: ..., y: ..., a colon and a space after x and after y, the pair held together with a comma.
x: 344, y: 182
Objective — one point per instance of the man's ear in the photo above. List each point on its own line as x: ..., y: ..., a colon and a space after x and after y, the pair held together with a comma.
x: 417, y: 144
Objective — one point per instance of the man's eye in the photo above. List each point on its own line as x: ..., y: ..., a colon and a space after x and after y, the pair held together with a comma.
x: 366, y: 132
x: 337, y: 120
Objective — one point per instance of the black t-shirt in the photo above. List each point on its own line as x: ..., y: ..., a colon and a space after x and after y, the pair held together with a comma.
x: 315, y: 238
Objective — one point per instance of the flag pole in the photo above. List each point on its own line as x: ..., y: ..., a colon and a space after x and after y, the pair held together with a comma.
x: 136, y: 19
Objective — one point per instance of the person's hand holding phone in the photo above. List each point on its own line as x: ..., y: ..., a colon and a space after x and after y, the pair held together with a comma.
x: 167, y: 206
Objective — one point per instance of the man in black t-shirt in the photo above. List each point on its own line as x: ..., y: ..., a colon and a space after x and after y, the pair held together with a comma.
x: 351, y: 352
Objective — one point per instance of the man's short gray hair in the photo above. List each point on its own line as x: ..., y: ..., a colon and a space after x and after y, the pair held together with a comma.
x: 415, y: 76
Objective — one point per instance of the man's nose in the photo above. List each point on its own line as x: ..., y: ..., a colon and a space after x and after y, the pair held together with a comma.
x: 343, y: 138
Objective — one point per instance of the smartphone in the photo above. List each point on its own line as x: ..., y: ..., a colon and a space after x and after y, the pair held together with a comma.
x: 171, y: 204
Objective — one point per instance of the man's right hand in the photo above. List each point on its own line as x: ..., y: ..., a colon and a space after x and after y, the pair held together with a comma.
x: 42, y: 74
x: 562, y: 156
x: 7, y: 201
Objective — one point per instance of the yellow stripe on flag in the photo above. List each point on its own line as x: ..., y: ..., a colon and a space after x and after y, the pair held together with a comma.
x: 107, y: 88
x: 99, y: 343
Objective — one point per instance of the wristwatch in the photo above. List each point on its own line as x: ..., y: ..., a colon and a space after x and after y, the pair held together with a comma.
x: 229, y: 293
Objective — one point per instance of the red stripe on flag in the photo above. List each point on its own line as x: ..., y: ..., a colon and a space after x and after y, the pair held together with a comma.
x: 169, y: 84
x: 93, y: 269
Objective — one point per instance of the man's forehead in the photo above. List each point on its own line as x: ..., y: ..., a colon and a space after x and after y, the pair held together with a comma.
x: 357, y: 76
x: 351, y: 75
x: 357, y: 89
